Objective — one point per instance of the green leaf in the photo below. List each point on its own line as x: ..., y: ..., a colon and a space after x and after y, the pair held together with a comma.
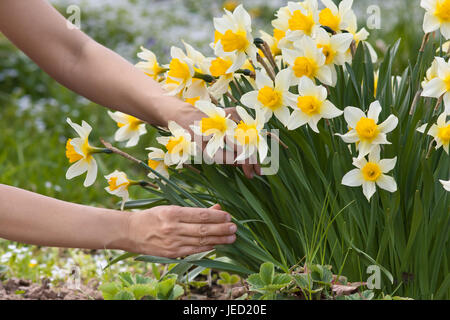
x: 124, y: 295
x: 267, y: 273
x: 109, y: 290
x: 142, y: 290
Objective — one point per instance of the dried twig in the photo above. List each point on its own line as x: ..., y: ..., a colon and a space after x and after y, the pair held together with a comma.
x: 266, y: 67
x: 274, y: 136
x: 425, y: 39
x: 415, y: 101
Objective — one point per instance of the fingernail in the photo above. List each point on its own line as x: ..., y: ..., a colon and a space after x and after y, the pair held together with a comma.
x: 231, y: 239
x: 228, y: 217
x: 233, y: 228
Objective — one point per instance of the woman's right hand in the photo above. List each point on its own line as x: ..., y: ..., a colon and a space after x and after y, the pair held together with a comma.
x: 173, y: 231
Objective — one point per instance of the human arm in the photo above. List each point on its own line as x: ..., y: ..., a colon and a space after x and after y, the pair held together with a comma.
x: 168, y: 231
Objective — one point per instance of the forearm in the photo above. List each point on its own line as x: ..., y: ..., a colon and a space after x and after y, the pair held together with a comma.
x: 35, y: 219
x: 83, y: 65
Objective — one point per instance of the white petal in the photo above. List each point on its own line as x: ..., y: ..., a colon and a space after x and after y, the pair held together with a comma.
x: 283, y: 115
x: 369, y: 189
x: 284, y: 79
x: 353, y: 178
x: 350, y: 137
x: 91, y: 173
x: 250, y: 99
x: 374, y: 111
x: 329, y: 110
x: 446, y: 184
x: 387, y: 165
x: 297, y: 120
x: 263, y: 80
x: 387, y: 183
x: 352, y: 115
x: 430, y: 23
x: 434, y: 89
x: 77, y: 169
x: 389, y: 125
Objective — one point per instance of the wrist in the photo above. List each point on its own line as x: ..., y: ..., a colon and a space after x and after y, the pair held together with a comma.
x: 120, y: 237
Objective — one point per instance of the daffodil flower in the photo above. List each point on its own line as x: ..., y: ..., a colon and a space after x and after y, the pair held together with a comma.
x: 80, y: 153
x: 150, y: 64
x: 359, y: 36
x: 272, y: 99
x: 180, y: 146
x: 336, y: 18
x: 248, y: 135
x: 181, y: 72
x: 372, y: 173
x: 118, y: 184
x: 437, y: 16
x: 439, y: 85
x: 272, y: 41
x: 311, y: 106
x: 156, y: 162
x: 446, y: 185
x: 439, y: 131
x: 308, y: 60
x: 130, y: 128
x: 432, y: 73
x: 365, y: 130
x: 233, y: 37
x: 303, y: 17
x: 218, y: 67
x: 217, y: 126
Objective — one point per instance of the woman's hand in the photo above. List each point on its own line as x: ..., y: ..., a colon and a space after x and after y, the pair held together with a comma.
x: 172, y: 231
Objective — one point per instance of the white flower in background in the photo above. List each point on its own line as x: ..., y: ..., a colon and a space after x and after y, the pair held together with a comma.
x: 359, y: 36
x: 130, y: 128
x: 181, y: 71
x: 336, y: 18
x: 372, y: 173
x: 432, y: 73
x: 437, y: 16
x: 118, y: 184
x: 272, y: 99
x: 150, y: 64
x: 234, y: 37
x: 365, y: 129
x: 303, y: 18
x: 217, y: 126
x: 248, y: 135
x: 80, y: 153
x: 311, y: 106
x: 439, y: 85
x: 446, y: 184
x: 439, y: 131
x: 180, y: 146
x: 156, y: 162
x: 308, y: 60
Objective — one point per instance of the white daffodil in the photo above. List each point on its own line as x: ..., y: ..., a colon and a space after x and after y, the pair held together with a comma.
x: 446, y: 185
x: 273, y: 41
x: 439, y: 131
x: 156, y: 162
x: 311, y: 106
x: 130, y: 128
x: 248, y: 135
x: 308, y: 60
x: 272, y: 99
x: 372, y: 173
x: 336, y: 18
x: 80, y: 153
x: 359, y: 36
x: 150, y: 65
x: 218, y: 67
x: 303, y: 18
x: 181, y: 71
x: 439, y: 85
x: 335, y: 49
x: 234, y: 37
x: 365, y: 129
x: 180, y: 146
x: 118, y: 184
x: 217, y: 126
x: 432, y: 73
x: 437, y: 16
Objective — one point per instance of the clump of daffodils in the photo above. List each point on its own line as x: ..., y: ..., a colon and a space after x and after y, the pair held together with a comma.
x: 287, y: 79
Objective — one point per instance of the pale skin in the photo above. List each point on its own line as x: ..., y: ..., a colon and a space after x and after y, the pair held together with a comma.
x: 99, y: 74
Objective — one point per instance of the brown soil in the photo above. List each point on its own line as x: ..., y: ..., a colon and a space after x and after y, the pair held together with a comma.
x: 19, y: 289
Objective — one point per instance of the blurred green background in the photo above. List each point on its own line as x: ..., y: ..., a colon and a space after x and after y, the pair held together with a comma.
x: 34, y: 108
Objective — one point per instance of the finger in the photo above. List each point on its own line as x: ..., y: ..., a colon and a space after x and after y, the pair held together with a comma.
x: 203, y: 215
x: 188, y: 250
x: 248, y: 170
x: 206, y: 230
x: 208, y: 241
x: 216, y: 207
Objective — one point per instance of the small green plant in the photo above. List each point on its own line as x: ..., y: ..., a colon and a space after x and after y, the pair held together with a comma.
x: 267, y: 284
x: 227, y: 281
x: 139, y: 288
